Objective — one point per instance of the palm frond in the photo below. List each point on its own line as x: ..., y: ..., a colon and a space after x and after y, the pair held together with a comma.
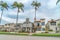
x: 18, y: 5
x: 22, y: 9
x: 4, y: 5
x: 36, y: 4
x: 15, y: 4
x: 57, y: 2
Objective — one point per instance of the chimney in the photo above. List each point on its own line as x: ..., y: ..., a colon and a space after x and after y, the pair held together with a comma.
x: 27, y: 19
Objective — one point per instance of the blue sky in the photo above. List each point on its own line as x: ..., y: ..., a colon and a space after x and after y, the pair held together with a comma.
x: 48, y: 10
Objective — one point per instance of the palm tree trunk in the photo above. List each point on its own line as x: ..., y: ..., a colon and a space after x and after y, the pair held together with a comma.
x: 1, y: 16
x: 17, y: 17
x: 35, y: 20
x: 35, y: 13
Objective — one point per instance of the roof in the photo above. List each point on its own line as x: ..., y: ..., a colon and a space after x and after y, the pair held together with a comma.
x: 27, y: 22
x: 9, y: 23
x: 51, y: 21
x: 57, y: 19
x: 38, y: 21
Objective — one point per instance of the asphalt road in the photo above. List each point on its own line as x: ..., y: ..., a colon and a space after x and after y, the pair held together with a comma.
x: 14, y: 37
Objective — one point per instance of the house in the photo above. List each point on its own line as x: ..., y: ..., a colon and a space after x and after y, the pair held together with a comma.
x: 18, y: 27
x: 58, y: 25
x: 9, y: 27
x: 27, y: 26
x: 12, y: 27
x: 39, y: 26
x: 52, y: 28
x: 1, y: 27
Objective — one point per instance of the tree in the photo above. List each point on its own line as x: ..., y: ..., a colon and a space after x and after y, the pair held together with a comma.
x: 19, y: 7
x: 57, y: 1
x: 36, y: 5
x: 3, y: 6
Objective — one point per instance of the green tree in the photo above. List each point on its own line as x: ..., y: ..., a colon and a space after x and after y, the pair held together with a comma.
x: 36, y: 5
x: 57, y: 1
x: 19, y: 7
x: 3, y: 5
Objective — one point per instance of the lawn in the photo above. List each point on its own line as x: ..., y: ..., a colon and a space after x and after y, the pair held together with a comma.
x: 44, y: 34
x: 26, y: 34
x: 8, y: 33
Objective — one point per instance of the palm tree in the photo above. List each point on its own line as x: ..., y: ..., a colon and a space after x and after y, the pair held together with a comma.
x: 57, y: 1
x: 19, y: 7
x: 36, y: 5
x: 3, y: 6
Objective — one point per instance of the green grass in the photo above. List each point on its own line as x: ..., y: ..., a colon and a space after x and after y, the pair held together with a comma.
x: 8, y: 33
x: 44, y: 34
x: 26, y: 34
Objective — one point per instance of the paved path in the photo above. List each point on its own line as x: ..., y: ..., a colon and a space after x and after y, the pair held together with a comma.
x: 11, y: 37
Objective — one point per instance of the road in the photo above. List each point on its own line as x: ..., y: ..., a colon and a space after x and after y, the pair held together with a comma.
x: 14, y: 37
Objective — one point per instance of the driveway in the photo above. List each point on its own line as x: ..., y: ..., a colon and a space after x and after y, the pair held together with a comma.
x: 12, y: 37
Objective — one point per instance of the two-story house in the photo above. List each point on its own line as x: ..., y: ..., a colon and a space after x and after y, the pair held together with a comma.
x: 39, y: 25
x: 58, y: 25
x: 52, y: 26
x: 1, y: 27
x: 18, y: 27
x: 9, y: 27
x: 27, y: 26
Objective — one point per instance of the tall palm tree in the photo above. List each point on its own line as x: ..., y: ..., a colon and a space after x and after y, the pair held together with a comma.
x: 3, y: 6
x: 19, y: 7
x: 57, y: 1
x: 36, y: 5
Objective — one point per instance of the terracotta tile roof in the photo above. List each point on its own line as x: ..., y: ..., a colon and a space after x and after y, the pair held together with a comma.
x: 57, y: 19
x: 52, y: 21
x: 38, y: 21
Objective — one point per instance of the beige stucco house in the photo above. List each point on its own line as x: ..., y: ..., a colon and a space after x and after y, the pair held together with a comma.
x: 52, y: 26
x: 58, y: 22
x: 9, y: 27
x: 27, y: 26
x: 1, y: 27
x: 39, y: 26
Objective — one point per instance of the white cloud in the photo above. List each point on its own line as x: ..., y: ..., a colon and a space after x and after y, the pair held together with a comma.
x: 25, y: 13
x: 51, y: 3
x: 23, y: 1
x: 10, y: 20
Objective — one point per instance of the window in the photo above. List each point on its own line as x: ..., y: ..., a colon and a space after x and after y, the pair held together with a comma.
x: 38, y: 29
x: 56, y: 28
x: 43, y: 23
x: 43, y: 29
x: 37, y: 24
x: 18, y: 25
x: 53, y: 23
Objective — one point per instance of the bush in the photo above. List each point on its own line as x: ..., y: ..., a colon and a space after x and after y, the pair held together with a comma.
x: 50, y: 30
